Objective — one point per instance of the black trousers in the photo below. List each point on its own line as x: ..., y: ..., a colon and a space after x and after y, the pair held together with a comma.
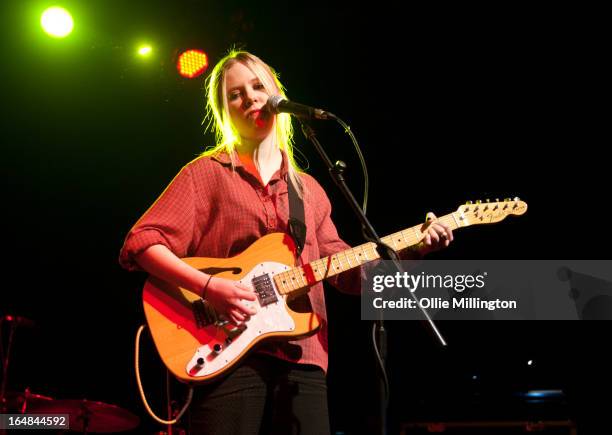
x: 265, y: 395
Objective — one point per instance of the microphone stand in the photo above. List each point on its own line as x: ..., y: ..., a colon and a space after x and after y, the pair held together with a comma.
x: 385, y: 252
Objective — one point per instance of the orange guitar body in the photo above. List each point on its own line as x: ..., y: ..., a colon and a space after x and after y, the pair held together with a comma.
x: 170, y: 312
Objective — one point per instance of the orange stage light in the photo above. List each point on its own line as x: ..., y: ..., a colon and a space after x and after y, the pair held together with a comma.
x: 192, y: 63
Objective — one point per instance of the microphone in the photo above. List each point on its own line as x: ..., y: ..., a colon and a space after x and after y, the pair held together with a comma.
x: 277, y: 104
x: 19, y: 321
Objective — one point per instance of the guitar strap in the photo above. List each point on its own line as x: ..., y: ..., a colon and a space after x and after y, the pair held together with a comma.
x: 296, y: 225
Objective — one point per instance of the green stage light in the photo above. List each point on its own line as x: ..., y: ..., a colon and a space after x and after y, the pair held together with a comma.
x: 57, y: 22
x: 145, y: 50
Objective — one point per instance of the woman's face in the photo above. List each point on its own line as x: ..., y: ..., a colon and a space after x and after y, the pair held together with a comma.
x: 246, y: 98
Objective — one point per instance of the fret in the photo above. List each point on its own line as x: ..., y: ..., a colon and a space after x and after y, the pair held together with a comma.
x: 356, y: 257
x: 347, y: 262
x: 456, y: 221
x: 416, y: 233
x: 337, y: 265
x: 359, y: 249
x: 328, y: 266
x: 295, y: 279
x: 372, y: 248
x: 316, y: 268
x: 348, y: 259
x: 403, y: 233
x: 340, y: 262
x: 325, y: 262
x: 298, y: 277
x: 287, y: 278
x: 288, y: 285
x: 351, y: 254
x: 341, y: 265
x: 282, y: 278
x: 332, y: 266
x: 278, y: 279
x: 364, y: 254
x: 398, y: 236
x: 306, y: 275
x: 361, y: 257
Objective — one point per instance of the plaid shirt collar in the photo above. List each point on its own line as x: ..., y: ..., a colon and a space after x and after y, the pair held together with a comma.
x: 224, y: 158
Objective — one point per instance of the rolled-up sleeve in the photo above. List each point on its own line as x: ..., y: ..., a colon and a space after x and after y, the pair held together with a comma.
x: 170, y: 221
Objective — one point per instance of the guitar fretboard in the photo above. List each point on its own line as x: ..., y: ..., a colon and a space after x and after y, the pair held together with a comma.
x: 326, y: 267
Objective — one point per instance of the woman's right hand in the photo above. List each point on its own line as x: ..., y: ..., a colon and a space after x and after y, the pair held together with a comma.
x: 228, y: 298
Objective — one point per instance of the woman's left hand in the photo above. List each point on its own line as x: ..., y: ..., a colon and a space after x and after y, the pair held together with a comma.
x: 437, y: 235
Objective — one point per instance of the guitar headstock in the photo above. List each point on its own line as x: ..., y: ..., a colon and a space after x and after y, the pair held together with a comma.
x: 490, y: 212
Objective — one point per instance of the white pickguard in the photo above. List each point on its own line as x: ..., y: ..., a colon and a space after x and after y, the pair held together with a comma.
x: 271, y: 318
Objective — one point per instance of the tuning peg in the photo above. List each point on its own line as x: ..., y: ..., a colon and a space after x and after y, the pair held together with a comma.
x: 507, y: 200
x: 488, y: 200
x: 496, y: 199
x: 516, y: 198
x: 479, y: 202
x: 468, y: 203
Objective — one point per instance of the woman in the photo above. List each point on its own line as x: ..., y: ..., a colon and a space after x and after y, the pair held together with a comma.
x: 217, y: 206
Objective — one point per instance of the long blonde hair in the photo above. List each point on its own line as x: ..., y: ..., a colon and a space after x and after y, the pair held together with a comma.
x: 218, y: 117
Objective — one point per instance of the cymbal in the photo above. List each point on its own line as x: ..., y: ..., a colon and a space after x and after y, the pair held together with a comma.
x: 16, y: 399
x: 89, y: 415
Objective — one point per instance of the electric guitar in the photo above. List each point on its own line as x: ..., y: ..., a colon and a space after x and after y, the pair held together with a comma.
x: 198, y: 346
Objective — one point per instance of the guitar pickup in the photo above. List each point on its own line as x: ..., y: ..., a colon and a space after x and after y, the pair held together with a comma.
x: 264, y: 290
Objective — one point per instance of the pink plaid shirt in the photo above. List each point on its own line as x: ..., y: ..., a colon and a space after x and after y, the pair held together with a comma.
x: 208, y: 210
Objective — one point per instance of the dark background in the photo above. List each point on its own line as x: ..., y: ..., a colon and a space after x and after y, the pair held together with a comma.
x: 449, y: 105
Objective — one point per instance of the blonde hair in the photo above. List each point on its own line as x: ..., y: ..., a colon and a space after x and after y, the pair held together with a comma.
x: 218, y: 117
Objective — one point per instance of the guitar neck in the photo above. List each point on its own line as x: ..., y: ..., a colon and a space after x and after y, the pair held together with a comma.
x: 326, y: 267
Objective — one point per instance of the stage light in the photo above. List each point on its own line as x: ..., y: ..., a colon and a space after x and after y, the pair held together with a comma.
x: 145, y: 50
x: 57, y: 22
x: 543, y: 394
x: 192, y: 63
